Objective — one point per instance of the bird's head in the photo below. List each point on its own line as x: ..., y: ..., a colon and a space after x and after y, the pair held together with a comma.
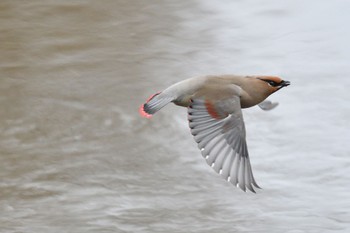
x: 273, y: 83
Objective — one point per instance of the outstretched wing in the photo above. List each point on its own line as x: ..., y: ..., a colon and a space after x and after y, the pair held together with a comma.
x: 219, y: 130
x: 267, y: 105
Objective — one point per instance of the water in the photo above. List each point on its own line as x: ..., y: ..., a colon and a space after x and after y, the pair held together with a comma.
x: 76, y: 157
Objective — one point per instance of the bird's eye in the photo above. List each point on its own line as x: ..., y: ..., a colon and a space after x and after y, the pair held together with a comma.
x: 272, y: 83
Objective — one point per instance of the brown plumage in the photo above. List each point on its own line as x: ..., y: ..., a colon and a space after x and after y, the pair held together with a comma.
x: 215, y: 118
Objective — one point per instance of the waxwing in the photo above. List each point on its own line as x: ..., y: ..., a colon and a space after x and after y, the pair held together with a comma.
x: 214, y: 105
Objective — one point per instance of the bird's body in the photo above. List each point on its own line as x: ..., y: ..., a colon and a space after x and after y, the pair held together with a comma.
x: 214, y: 112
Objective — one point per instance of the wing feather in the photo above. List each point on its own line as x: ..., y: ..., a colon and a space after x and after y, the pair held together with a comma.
x: 212, y: 152
x: 234, y: 170
x: 227, y: 165
x: 219, y: 161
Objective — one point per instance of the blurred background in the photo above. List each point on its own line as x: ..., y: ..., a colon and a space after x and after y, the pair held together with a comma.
x: 75, y: 156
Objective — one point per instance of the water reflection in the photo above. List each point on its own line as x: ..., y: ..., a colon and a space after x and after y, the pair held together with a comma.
x: 76, y: 157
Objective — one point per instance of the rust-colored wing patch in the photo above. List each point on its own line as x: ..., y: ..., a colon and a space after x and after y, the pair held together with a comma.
x: 211, y: 110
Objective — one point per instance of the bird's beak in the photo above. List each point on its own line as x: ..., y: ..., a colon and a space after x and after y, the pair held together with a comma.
x: 284, y: 84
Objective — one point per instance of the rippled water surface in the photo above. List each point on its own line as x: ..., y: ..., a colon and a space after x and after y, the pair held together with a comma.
x: 76, y: 157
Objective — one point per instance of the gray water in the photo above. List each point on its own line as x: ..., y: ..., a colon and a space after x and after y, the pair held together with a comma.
x: 75, y: 156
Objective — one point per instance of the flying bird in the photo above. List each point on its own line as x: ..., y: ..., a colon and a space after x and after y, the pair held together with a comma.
x: 214, y: 106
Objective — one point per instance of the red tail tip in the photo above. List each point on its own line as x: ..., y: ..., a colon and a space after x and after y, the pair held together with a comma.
x: 143, y: 113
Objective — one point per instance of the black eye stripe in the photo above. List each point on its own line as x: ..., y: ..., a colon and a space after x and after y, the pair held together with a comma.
x: 272, y: 83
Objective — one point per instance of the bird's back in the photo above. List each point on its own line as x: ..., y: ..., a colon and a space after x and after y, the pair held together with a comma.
x: 205, y: 86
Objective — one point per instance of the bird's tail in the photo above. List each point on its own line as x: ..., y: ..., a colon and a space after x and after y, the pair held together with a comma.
x: 154, y: 103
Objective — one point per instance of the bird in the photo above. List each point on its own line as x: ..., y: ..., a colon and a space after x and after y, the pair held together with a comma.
x: 214, y: 109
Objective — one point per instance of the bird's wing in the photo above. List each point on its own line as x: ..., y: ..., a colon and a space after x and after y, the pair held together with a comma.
x: 267, y: 105
x: 219, y: 130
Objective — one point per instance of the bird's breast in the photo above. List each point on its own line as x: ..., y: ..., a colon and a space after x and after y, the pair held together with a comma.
x: 248, y: 101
